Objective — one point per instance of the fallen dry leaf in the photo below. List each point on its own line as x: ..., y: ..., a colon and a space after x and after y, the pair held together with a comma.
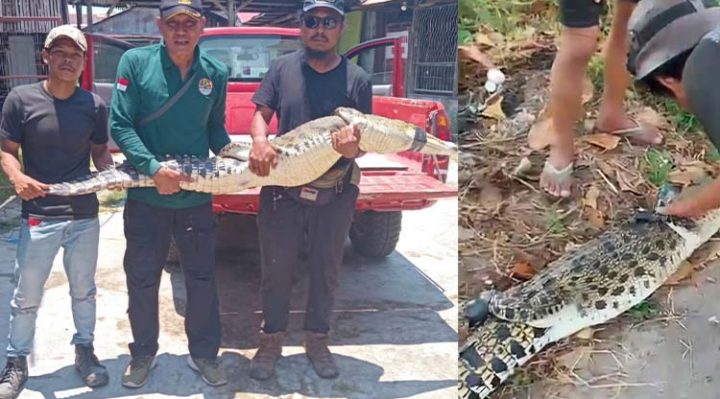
x: 523, y: 270
x: 628, y: 182
x: 591, y: 197
x: 483, y: 39
x: 688, y: 175
x: 497, y: 38
x: 652, y: 118
x: 474, y: 53
x: 684, y: 271
x: 490, y: 196
x: 602, y: 140
x: 494, y: 110
x: 522, y: 168
x: 585, y: 334
x: 595, y: 217
x: 705, y: 254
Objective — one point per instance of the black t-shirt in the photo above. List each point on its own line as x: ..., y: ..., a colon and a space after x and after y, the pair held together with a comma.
x: 700, y: 84
x: 55, y: 136
x: 299, y: 94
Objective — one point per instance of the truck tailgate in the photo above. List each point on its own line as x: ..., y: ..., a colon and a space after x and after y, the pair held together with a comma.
x: 388, y: 183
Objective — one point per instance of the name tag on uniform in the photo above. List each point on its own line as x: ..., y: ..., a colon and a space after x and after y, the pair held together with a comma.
x: 309, y: 193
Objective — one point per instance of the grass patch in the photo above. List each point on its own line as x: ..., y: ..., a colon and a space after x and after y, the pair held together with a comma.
x: 596, y: 71
x: 554, y: 221
x: 645, y: 310
x: 658, y: 166
x: 681, y: 120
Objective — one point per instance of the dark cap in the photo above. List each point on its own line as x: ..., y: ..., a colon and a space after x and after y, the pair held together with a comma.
x: 171, y: 8
x: 337, y: 5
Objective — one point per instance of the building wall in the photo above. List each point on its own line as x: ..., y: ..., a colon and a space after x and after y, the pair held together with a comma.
x: 138, y: 21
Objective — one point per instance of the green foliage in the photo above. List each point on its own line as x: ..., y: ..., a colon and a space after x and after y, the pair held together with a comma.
x: 681, y: 120
x: 554, y: 221
x: 644, y: 310
x: 659, y: 164
x: 502, y: 16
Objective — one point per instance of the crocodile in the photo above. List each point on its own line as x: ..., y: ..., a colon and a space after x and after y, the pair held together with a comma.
x: 586, y: 286
x: 303, y: 155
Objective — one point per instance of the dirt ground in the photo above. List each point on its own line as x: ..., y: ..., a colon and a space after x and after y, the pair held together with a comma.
x: 508, y: 231
x: 394, y: 325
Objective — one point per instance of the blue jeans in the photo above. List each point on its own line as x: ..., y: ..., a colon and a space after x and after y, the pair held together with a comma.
x: 38, y: 246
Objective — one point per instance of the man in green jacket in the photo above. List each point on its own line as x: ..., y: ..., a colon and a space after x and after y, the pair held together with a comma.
x: 147, y: 78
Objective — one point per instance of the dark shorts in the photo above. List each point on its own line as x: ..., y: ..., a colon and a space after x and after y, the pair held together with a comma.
x: 582, y: 13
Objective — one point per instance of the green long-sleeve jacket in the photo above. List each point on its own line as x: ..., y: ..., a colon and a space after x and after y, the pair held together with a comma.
x: 146, y: 79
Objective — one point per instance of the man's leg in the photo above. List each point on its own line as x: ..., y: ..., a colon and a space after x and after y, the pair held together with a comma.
x: 280, y: 229
x: 80, y: 260
x: 38, y: 246
x: 612, y: 117
x: 194, y: 235
x: 579, y: 37
x: 147, y: 234
x: 328, y: 229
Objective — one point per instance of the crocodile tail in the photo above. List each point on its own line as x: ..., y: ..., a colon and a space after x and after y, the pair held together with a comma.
x: 492, y: 353
x: 122, y: 177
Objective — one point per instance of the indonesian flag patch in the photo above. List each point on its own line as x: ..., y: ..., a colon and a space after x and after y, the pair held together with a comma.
x: 122, y: 84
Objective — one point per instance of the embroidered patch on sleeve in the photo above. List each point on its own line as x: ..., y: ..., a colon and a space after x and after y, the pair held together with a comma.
x: 122, y: 84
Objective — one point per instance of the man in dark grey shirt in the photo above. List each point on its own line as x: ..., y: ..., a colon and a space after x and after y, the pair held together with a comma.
x: 300, y: 87
x: 59, y: 127
x: 675, y: 51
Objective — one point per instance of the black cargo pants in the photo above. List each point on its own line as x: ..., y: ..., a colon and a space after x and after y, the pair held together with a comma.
x: 148, y: 229
x: 283, y: 223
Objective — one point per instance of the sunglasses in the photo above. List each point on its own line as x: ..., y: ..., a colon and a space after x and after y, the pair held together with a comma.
x: 312, y: 22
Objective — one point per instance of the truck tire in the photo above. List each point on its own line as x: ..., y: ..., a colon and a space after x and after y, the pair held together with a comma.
x: 375, y: 234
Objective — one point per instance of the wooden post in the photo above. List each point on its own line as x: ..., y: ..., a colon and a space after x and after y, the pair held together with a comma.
x: 64, y: 11
x: 78, y: 14
x: 231, y: 12
x: 89, y: 16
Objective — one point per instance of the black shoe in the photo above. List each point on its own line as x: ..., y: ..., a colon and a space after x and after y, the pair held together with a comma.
x: 14, y: 377
x: 88, y: 366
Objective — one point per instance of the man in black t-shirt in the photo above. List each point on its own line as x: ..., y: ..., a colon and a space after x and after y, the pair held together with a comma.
x: 301, y: 87
x: 675, y: 51
x: 59, y: 127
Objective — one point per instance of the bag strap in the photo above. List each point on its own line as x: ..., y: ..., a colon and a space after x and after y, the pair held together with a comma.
x: 168, y: 104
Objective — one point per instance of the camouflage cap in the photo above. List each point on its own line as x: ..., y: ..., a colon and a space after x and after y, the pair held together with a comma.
x: 68, y: 31
x: 171, y: 8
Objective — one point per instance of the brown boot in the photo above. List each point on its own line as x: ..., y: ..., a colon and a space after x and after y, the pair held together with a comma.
x: 262, y: 365
x: 316, y: 348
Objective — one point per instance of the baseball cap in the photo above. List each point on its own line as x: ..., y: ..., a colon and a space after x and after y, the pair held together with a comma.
x: 171, y: 8
x: 68, y: 31
x: 337, y: 5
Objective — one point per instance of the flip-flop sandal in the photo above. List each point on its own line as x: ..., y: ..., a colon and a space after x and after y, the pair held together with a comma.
x: 560, y: 176
x: 633, y: 133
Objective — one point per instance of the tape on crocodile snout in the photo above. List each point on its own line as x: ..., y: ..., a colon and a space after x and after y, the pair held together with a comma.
x: 419, y: 140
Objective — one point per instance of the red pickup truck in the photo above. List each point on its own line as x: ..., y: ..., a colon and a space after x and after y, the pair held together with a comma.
x: 390, y: 184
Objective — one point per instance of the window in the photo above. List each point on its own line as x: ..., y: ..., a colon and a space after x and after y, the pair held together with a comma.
x: 248, y: 57
x: 106, y: 58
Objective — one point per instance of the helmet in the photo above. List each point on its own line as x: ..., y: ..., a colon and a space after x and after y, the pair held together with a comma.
x: 660, y: 30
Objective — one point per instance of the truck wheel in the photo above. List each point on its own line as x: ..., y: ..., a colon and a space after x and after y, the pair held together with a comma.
x: 375, y: 234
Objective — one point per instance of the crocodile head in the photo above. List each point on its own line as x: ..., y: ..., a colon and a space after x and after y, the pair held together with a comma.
x: 412, y: 137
